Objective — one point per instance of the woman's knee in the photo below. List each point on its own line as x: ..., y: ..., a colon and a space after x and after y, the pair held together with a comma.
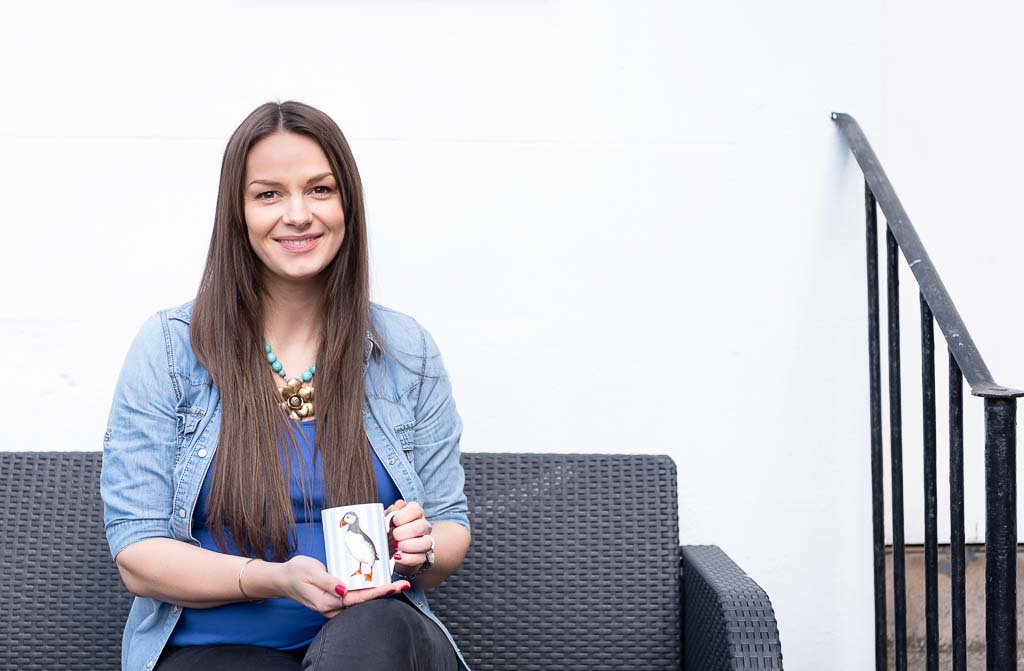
x: 376, y: 634
x: 386, y: 618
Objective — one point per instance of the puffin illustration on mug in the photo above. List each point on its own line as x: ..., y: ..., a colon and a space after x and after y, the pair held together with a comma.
x: 359, y: 546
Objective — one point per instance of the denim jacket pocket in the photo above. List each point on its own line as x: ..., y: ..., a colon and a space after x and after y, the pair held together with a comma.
x: 407, y: 439
x: 188, y: 420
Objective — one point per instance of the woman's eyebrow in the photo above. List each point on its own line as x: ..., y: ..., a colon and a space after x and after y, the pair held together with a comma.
x: 271, y: 182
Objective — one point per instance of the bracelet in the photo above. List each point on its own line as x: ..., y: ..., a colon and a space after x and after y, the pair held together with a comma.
x: 240, y: 572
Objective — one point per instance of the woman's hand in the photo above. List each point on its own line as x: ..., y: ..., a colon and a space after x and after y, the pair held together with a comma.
x: 306, y: 580
x: 409, y: 537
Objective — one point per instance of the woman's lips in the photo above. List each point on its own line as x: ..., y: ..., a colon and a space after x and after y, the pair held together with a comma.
x: 300, y: 245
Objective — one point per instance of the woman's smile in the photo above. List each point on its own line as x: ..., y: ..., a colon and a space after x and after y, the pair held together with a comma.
x: 301, y: 243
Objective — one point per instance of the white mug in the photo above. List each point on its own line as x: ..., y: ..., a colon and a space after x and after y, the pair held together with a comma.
x: 356, y: 539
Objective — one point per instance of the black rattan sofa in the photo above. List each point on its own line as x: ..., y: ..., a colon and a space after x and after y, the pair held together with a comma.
x: 574, y: 564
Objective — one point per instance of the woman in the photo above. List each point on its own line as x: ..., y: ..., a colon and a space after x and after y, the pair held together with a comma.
x: 219, y: 455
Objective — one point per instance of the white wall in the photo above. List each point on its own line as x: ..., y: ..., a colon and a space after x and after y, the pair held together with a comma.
x: 952, y: 144
x: 632, y: 227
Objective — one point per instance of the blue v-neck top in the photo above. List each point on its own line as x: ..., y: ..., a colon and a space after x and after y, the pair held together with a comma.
x: 283, y: 624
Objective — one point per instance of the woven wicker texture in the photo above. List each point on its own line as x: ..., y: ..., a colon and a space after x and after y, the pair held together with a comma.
x: 64, y: 605
x: 728, y: 621
x: 574, y: 564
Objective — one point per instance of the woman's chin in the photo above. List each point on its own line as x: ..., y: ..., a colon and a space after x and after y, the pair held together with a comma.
x: 303, y: 273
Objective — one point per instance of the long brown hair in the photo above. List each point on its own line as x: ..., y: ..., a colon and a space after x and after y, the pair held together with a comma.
x: 249, y: 494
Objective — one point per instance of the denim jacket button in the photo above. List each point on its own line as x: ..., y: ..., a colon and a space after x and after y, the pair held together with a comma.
x: 181, y: 512
x: 202, y: 452
x: 391, y: 461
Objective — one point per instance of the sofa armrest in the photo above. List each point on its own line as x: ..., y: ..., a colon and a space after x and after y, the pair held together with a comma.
x: 728, y: 621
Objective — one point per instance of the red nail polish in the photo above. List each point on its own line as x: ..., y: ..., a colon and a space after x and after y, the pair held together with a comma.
x: 340, y: 589
x: 398, y: 555
x: 405, y: 587
x: 395, y: 543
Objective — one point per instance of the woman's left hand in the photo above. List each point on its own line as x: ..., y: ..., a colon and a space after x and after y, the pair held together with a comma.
x: 411, y: 532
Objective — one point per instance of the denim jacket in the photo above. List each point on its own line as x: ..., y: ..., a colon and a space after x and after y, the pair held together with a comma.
x: 162, y: 435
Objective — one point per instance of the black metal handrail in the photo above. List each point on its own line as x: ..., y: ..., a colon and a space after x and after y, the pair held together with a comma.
x: 952, y: 326
x: 1000, y: 442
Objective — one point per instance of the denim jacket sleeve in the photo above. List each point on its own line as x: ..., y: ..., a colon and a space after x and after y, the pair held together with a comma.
x: 136, y: 478
x: 438, y: 429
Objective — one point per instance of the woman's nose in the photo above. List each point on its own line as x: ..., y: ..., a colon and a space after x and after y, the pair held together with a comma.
x: 298, y: 212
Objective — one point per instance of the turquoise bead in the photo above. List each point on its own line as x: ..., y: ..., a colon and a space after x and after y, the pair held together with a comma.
x: 279, y: 367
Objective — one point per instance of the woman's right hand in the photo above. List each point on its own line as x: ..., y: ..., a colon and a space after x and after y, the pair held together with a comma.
x: 306, y: 581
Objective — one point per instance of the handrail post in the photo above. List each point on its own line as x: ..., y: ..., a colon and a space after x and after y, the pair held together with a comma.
x: 875, y: 377
x: 899, y: 558
x: 1001, y: 534
x: 931, y: 496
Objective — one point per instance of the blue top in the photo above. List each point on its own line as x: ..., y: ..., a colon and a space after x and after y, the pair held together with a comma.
x: 284, y: 624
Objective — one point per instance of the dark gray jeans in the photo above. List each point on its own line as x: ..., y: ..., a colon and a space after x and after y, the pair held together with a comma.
x: 383, y: 633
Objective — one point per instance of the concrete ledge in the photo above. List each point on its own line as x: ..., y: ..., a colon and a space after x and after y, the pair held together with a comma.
x: 974, y: 575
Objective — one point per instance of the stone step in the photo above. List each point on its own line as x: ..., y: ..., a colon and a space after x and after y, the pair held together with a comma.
x: 974, y: 575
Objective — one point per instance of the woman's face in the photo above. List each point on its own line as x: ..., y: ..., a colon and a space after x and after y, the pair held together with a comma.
x: 293, y: 210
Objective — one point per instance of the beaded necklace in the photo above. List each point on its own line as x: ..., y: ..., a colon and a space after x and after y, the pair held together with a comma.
x: 298, y: 400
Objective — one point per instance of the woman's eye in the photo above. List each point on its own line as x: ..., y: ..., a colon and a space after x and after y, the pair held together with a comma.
x: 327, y: 190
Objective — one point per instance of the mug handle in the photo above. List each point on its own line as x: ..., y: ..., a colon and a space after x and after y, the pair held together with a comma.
x: 387, y: 525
